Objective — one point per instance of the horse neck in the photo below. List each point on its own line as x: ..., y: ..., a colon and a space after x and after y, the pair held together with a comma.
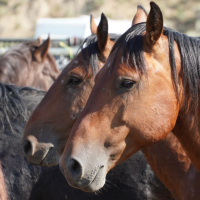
x: 188, y: 135
x: 14, y: 74
x: 3, y: 192
x: 173, y: 167
x: 54, y: 69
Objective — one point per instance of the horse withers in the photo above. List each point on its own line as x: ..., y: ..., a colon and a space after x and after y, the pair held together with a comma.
x: 29, y: 64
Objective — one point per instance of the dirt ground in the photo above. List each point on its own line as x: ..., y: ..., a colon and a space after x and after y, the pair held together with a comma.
x: 18, y: 17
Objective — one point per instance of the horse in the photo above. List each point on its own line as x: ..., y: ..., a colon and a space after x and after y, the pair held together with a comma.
x: 25, y: 181
x: 29, y: 64
x: 3, y: 192
x: 41, y: 149
x: 16, y: 104
x: 147, y: 88
x: 69, y: 98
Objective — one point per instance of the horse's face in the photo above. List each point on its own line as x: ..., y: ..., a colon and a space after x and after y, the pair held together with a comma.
x: 124, y: 113
x: 49, y: 126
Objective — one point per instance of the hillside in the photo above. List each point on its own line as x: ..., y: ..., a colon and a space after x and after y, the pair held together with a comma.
x: 18, y: 17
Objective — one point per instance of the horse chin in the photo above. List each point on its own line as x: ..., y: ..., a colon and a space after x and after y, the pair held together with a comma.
x: 87, y: 183
x: 96, y: 184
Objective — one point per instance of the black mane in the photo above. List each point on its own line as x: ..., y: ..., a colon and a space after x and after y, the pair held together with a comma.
x: 90, y: 51
x: 11, y: 104
x: 131, y: 43
x: 16, y: 105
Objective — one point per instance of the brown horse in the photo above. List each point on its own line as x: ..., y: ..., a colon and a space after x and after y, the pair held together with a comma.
x: 183, y: 175
x: 147, y: 88
x: 3, y: 192
x: 29, y: 64
x: 41, y: 144
x: 35, y: 143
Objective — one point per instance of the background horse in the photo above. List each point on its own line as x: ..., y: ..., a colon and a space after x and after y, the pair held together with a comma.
x: 69, y: 94
x: 3, y: 192
x: 134, y: 101
x: 16, y: 104
x: 29, y: 64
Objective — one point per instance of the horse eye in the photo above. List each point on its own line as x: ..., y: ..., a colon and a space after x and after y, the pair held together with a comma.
x: 128, y: 84
x: 75, y: 81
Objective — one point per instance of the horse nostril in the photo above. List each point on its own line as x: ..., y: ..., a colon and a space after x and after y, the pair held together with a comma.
x: 27, y: 148
x: 75, y: 168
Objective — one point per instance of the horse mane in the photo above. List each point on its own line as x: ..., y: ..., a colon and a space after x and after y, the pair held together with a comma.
x: 20, y: 50
x: 89, y: 50
x: 16, y: 52
x: 131, y: 43
x: 11, y: 104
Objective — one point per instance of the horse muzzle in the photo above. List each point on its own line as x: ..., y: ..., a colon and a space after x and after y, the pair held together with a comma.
x: 86, y: 179
x: 40, y: 153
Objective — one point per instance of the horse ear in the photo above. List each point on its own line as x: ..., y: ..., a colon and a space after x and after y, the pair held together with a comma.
x: 140, y: 16
x: 93, y: 25
x: 41, y: 51
x: 102, y: 33
x: 154, y: 24
x: 34, y: 43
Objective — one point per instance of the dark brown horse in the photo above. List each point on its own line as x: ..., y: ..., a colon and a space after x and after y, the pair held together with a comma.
x: 147, y: 88
x: 174, y: 158
x: 16, y: 104
x: 29, y: 64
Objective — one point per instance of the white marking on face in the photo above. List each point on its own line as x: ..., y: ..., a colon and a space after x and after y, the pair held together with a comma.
x: 73, y: 116
x: 62, y: 81
x: 76, y: 61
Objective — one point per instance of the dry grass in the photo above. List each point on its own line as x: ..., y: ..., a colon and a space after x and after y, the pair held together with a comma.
x: 18, y: 17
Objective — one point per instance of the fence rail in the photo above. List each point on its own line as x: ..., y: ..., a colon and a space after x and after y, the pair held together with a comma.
x: 63, y: 50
